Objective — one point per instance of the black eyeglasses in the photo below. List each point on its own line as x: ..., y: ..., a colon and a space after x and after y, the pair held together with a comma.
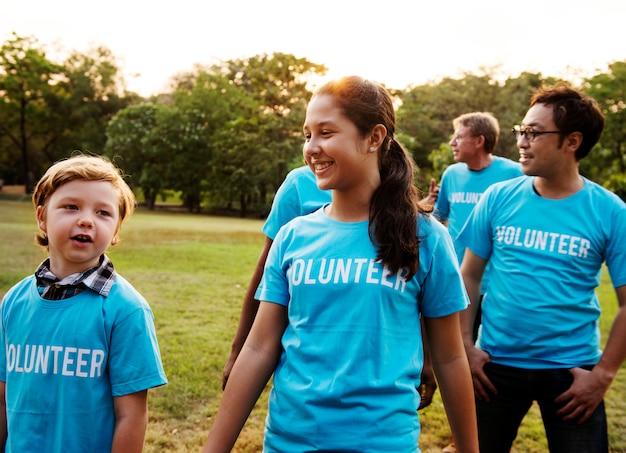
x: 529, y: 133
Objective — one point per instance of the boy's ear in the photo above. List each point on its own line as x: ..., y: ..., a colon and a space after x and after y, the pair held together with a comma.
x: 41, y: 219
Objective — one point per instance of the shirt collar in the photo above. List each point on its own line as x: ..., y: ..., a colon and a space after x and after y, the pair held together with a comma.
x: 99, y: 278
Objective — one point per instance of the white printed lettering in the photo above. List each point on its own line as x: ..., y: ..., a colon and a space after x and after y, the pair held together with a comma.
x: 563, y: 244
x: 66, y: 361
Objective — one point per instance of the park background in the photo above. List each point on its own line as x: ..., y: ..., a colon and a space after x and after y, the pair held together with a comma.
x: 206, y: 141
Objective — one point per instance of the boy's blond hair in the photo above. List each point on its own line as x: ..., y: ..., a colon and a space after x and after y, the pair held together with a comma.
x: 81, y: 167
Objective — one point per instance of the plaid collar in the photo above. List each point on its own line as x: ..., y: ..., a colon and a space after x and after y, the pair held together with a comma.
x: 98, y: 279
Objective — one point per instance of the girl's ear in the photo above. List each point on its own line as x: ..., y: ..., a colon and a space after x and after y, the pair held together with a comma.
x: 377, y: 136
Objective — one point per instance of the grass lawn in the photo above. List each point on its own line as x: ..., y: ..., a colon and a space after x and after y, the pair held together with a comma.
x: 194, y: 269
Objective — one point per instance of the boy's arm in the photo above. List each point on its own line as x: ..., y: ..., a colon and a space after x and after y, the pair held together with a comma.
x: 3, y: 415
x: 131, y: 421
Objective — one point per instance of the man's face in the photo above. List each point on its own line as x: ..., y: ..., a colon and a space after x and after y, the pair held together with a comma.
x: 464, y: 144
x: 542, y: 154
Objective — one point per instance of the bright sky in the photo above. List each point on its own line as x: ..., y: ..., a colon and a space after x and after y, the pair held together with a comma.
x: 396, y: 42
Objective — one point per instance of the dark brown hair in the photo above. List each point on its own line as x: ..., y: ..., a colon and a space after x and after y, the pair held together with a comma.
x: 395, y: 204
x: 572, y: 112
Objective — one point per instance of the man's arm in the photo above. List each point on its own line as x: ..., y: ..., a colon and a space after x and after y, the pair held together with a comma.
x: 131, y: 421
x: 248, y: 312
x: 589, y: 387
x: 472, y: 270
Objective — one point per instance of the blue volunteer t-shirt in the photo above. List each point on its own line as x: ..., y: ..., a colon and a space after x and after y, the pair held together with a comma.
x: 352, y: 358
x: 460, y: 190
x: 297, y: 195
x: 541, y: 310
x: 63, y: 361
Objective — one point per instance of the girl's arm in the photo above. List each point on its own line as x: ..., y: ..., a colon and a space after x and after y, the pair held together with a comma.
x: 455, y: 381
x: 250, y: 374
x: 131, y: 421
x: 248, y: 312
x: 3, y: 416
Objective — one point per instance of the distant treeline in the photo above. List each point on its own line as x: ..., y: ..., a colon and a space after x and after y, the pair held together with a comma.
x: 224, y: 136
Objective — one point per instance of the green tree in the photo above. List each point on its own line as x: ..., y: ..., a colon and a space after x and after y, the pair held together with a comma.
x: 183, y: 136
x: 210, y: 102
x: 92, y: 94
x: 427, y: 112
x: 48, y: 110
x: 254, y: 108
x: 280, y: 82
x: 607, y: 162
x: 27, y: 88
x: 133, y: 143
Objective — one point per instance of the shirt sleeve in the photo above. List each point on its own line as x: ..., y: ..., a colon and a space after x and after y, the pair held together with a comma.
x: 476, y: 233
x: 443, y: 291
x: 134, y: 357
x: 286, y: 206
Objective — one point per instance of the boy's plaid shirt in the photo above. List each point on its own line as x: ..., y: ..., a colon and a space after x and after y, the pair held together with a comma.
x: 98, y: 279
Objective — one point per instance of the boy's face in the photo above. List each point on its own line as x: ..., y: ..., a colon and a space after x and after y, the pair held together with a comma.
x: 80, y: 220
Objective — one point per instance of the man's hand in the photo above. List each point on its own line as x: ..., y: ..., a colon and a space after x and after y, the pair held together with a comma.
x: 583, y: 397
x: 433, y: 193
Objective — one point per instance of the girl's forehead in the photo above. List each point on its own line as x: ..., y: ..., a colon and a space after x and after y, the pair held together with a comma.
x: 323, y: 109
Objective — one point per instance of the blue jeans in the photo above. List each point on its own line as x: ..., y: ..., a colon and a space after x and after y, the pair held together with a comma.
x: 500, y: 418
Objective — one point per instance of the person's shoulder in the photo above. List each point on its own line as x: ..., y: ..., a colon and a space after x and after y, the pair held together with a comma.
x: 17, y: 291
x: 299, y: 174
x: 598, y: 191
x: 315, y: 217
x: 125, y: 295
x: 508, y: 164
x: 509, y: 187
x: 456, y: 168
x: 428, y: 224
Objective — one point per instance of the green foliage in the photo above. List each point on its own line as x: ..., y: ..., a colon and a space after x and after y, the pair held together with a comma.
x: 91, y: 96
x: 28, y: 121
x: 608, y: 160
x: 48, y: 110
x: 131, y: 145
x: 226, y: 135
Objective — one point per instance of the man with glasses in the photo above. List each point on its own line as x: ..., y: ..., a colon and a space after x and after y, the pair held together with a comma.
x: 546, y: 238
x: 475, y: 138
